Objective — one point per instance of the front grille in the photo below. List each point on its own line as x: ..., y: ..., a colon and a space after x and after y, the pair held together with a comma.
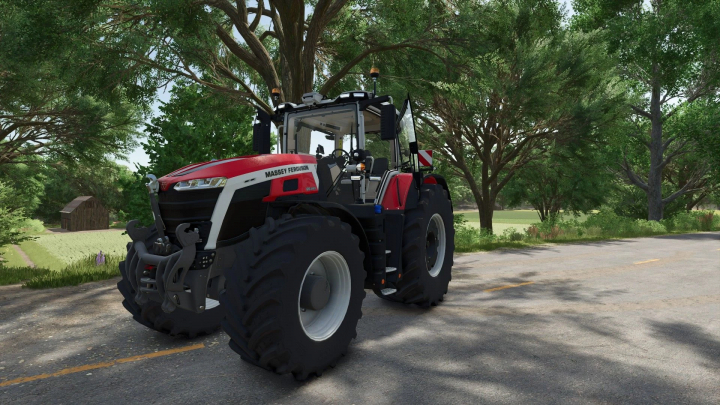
x: 196, y: 207
x: 191, y: 206
x: 246, y: 210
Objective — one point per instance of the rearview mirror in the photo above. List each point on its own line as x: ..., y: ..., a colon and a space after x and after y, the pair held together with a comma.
x: 261, y: 132
x: 388, y: 117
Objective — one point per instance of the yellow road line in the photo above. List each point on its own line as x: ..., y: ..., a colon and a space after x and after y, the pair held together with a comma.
x: 508, y: 286
x: 87, y: 367
x: 648, y: 261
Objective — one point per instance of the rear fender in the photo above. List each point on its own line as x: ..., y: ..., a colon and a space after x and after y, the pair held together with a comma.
x: 438, y: 179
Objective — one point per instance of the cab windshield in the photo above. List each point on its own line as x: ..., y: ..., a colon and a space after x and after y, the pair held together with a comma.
x: 322, y: 130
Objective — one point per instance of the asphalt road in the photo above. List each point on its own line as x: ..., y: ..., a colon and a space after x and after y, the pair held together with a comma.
x: 629, y: 321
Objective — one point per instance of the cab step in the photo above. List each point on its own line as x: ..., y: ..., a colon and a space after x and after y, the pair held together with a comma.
x: 388, y: 291
x: 390, y: 269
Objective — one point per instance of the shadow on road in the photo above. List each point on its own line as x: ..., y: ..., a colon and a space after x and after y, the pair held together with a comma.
x: 693, y: 236
x: 693, y: 337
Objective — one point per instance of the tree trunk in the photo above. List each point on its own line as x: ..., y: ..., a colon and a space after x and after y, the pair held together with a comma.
x: 694, y: 202
x: 486, y: 212
x: 477, y: 195
x: 654, y: 192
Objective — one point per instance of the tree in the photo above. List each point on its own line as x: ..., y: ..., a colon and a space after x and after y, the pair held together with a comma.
x: 667, y: 51
x: 63, y: 182
x: 11, y: 219
x: 695, y: 127
x: 51, y: 102
x: 27, y: 183
x: 227, y: 47
x: 697, y: 124
x: 570, y: 178
x: 196, y: 125
x: 532, y: 84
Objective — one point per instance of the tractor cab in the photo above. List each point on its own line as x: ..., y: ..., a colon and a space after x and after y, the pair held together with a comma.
x: 357, y: 139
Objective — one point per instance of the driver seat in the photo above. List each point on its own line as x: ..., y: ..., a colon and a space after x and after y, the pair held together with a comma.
x: 328, y: 170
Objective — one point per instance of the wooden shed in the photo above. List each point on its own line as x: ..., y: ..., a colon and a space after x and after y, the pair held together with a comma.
x: 84, y: 214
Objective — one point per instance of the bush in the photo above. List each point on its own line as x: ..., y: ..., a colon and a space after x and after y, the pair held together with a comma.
x: 692, y: 221
x: 607, y: 221
x: 708, y: 221
x: 512, y: 235
x: 32, y: 226
x: 605, y: 224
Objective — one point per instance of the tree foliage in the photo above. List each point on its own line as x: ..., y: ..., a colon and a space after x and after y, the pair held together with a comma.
x: 196, y: 125
x: 569, y: 178
x: 59, y: 98
x: 528, y: 84
x: 246, y: 49
x: 64, y: 182
x: 11, y: 218
x: 667, y: 52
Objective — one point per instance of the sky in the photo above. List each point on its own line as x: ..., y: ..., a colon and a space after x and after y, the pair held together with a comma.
x: 138, y: 156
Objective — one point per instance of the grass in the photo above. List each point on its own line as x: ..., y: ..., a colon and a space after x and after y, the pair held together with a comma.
x: 68, y: 247
x: 64, y: 259
x: 503, y: 219
x: 79, y: 272
x: 41, y: 256
x: 597, y: 226
x: 18, y: 274
x: 10, y: 257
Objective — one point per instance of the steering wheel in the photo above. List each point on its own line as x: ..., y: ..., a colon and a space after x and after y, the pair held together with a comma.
x: 344, y: 155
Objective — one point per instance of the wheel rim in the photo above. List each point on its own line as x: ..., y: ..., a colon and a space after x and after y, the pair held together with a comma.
x: 435, y: 245
x: 321, y: 324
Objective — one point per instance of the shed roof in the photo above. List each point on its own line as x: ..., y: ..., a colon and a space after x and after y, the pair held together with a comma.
x: 75, y: 203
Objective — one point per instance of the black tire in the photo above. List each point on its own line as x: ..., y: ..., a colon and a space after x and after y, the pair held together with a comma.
x: 263, y: 286
x: 180, y: 322
x: 417, y: 285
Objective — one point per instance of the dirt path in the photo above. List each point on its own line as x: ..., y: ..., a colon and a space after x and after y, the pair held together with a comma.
x: 24, y: 256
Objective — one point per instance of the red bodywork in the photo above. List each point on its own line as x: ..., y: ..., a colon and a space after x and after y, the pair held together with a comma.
x: 305, y: 185
x: 233, y: 167
x: 394, y: 199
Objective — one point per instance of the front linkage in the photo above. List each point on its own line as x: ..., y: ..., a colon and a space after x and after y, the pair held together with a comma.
x: 170, y: 279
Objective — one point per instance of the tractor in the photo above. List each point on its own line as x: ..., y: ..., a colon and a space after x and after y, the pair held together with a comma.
x: 279, y: 248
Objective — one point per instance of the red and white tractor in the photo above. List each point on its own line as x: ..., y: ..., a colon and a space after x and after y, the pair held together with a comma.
x: 278, y: 248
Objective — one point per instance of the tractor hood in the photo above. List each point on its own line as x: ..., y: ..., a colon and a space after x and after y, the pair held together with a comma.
x: 234, y: 167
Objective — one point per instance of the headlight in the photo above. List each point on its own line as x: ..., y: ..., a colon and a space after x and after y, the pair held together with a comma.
x: 200, y: 184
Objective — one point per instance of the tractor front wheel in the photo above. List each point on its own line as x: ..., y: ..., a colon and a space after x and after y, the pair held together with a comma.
x: 294, y: 295
x: 428, y: 246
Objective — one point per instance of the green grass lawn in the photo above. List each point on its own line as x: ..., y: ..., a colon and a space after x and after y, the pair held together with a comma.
x: 518, y: 219
x: 11, y: 257
x: 68, y: 247
x: 41, y: 256
x: 64, y: 259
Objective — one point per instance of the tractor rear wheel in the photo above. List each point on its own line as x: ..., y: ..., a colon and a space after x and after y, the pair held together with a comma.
x: 428, y: 246
x: 294, y: 294
x: 180, y: 322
